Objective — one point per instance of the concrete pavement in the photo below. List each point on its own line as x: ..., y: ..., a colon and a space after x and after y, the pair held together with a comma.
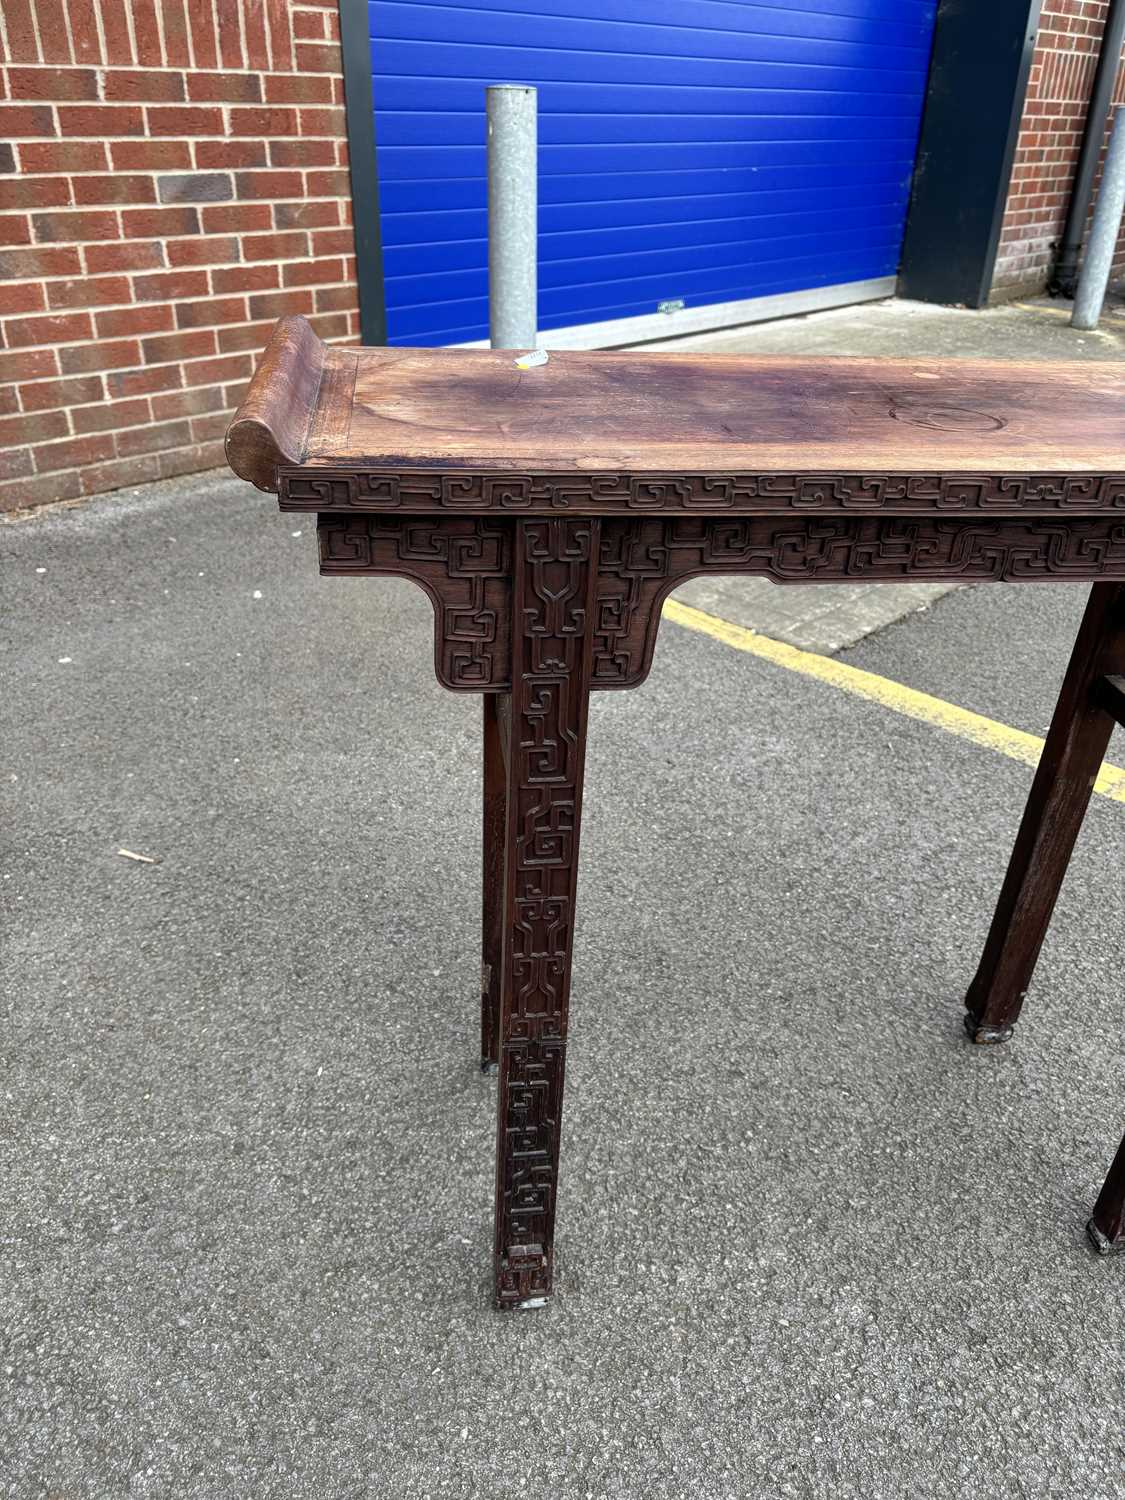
x: 811, y: 1243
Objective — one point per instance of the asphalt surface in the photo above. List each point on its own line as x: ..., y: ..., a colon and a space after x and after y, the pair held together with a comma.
x: 811, y: 1243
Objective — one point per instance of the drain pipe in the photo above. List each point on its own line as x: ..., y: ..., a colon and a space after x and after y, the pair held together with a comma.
x: 1064, y: 277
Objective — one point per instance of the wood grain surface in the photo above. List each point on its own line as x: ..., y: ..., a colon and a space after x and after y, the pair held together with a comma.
x: 632, y: 411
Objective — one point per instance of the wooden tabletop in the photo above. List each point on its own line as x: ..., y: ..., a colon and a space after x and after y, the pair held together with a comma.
x: 385, y: 409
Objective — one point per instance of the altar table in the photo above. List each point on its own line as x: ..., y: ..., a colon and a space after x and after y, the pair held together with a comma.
x: 548, y: 512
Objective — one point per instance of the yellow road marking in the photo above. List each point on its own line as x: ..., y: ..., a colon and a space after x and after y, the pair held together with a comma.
x: 965, y: 724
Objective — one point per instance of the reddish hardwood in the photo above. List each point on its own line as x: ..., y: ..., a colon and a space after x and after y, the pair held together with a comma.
x: 630, y: 413
x: 1075, y: 747
x: 272, y: 425
x: 547, y: 513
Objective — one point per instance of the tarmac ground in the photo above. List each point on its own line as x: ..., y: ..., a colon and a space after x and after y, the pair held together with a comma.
x: 811, y: 1242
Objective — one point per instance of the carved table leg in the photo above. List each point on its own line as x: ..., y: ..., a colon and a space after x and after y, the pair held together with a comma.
x: 492, y: 895
x: 553, y: 613
x: 1107, y: 1226
x: 1060, y: 793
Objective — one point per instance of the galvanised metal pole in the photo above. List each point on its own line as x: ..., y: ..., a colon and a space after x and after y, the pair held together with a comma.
x: 1065, y: 272
x: 512, y: 236
x: 1103, y: 234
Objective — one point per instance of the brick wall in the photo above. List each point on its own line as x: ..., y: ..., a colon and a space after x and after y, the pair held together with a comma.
x: 1062, y: 73
x: 173, y: 177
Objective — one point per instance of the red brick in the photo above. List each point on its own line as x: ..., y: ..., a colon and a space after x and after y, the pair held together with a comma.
x: 45, y: 395
x: 48, y: 260
x: 207, y: 314
x: 177, y: 47
x: 104, y: 120
x: 312, y: 273
x: 15, y: 229
x: 122, y: 321
x: 63, y: 156
x: 22, y: 43
x: 25, y: 297
x: 124, y: 255
x: 280, y: 304
x: 191, y: 460
x: 121, y: 472
x: 233, y: 394
x: 281, y: 35
x: 9, y: 402
x: 145, y: 86
x: 191, y: 345
x: 52, y: 85
x: 205, y: 37
x: 84, y: 36
x: 26, y: 119
x: 274, y: 246
x: 168, y: 286
x: 154, y: 437
x: 68, y: 454
x: 305, y: 215
x: 51, y: 328
x: 267, y: 184
x: 87, y: 225
x: 142, y: 223
x: 247, y: 336
x: 192, y: 403
x: 230, y: 38
x: 155, y: 156
x: 109, y: 355
x: 334, y: 184
x: 243, y: 153
x: 15, y: 463
x: 292, y: 88
x: 108, y: 416
x: 226, y: 218
x: 333, y: 242
x: 144, y: 382
x: 323, y: 122
x: 205, y: 250
x: 38, y: 491
x: 256, y: 278
x: 317, y: 59
x: 308, y: 25
x: 29, y: 364
x: 227, y: 367
x: 184, y: 119
x: 89, y: 291
x: 303, y: 153
x: 32, y: 427
x: 210, y: 428
x: 265, y: 122
x: 114, y: 188
x: 225, y: 88
x: 330, y: 325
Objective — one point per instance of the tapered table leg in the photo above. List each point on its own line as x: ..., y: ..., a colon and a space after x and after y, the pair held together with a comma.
x: 553, y: 613
x: 1076, y: 744
x: 492, y: 894
x: 1107, y: 1225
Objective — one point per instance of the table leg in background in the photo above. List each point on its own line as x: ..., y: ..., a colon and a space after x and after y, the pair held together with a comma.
x: 1107, y: 1225
x: 1075, y: 747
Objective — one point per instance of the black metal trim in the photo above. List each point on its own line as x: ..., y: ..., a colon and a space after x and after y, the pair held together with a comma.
x: 979, y: 69
x: 359, y: 105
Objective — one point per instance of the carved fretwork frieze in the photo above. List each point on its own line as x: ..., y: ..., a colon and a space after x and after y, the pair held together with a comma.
x: 444, y: 492
x: 465, y: 565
